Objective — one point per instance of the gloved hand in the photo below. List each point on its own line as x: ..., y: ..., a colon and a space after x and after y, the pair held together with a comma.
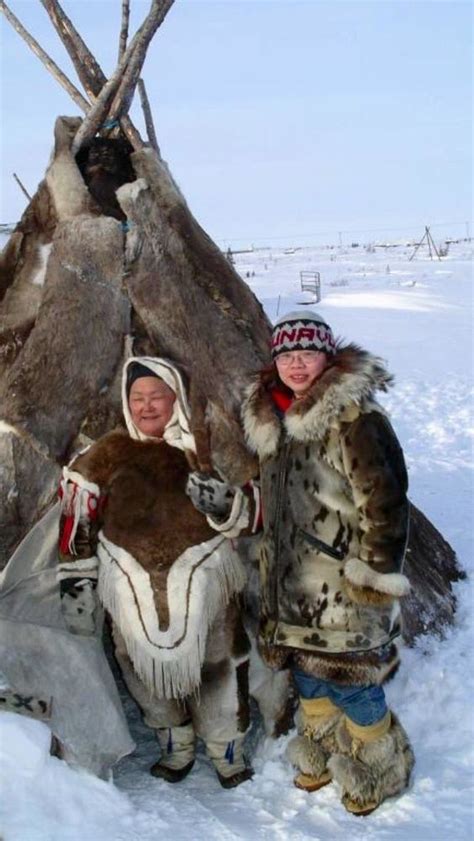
x: 209, y: 495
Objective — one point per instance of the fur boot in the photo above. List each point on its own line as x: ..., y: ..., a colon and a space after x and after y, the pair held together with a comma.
x: 177, y: 752
x: 309, y: 752
x: 371, y: 763
x: 229, y: 761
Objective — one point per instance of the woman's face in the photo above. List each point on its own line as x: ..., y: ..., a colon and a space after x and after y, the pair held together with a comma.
x: 298, y: 369
x: 151, y: 404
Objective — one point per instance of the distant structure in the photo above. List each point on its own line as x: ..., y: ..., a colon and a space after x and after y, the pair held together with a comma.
x: 430, y: 243
x: 311, y: 282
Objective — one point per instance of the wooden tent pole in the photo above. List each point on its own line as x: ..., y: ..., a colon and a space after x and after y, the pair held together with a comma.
x: 150, y: 127
x: 21, y: 186
x: 124, y: 28
x: 121, y: 85
x: 140, y: 43
x: 87, y: 68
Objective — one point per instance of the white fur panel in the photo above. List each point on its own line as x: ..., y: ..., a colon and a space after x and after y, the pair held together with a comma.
x: 257, y: 502
x: 331, y: 491
x: 67, y: 188
x: 43, y: 257
x: 298, y: 753
x: 132, y: 190
x: 200, y: 584
x: 262, y: 437
x: 360, y: 574
x: 83, y: 567
x: 79, y: 480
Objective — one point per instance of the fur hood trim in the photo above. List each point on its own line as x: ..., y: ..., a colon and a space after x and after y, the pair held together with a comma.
x: 352, y: 377
x: 178, y: 430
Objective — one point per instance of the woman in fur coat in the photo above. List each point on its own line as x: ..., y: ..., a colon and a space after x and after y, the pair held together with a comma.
x: 170, y: 585
x: 335, y: 524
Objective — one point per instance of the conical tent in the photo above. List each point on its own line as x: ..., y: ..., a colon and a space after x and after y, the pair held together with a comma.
x: 107, y: 259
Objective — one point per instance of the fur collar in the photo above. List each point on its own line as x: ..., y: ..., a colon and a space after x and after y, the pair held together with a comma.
x: 348, y: 383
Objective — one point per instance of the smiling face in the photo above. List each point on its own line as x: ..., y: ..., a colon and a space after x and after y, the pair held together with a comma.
x: 151, y: 404
x: 298, y: 369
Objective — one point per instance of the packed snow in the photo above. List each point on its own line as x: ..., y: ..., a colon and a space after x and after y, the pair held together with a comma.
x: 418, y: 316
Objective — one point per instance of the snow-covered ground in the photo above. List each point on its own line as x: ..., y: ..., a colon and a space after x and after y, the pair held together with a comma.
x: 418, y: 315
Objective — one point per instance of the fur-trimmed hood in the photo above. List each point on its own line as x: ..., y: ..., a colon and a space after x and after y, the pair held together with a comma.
x: 349, y: 382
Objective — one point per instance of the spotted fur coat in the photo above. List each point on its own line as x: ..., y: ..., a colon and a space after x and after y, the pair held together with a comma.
x: 335, y: 522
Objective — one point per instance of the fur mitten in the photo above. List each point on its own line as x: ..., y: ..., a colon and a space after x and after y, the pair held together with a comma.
x: 210, y: 495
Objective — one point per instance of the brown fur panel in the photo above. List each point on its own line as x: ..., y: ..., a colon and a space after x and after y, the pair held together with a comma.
x: 376, y: 470
x: 286, y: 718
x: 243, y: 712
x: 86, y: 255
x: 9, y: 258
x: 12, y: 340
x: 212, y: 672
x: 230, y: 455
x: 275, y: 656
x: 367, y: 596
x: 147, y: 511
x: 240, y: 639
x: 35, y: 227
x: 353, y: 669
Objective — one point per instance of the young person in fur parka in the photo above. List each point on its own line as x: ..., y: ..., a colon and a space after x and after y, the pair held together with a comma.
x: 335, y: 524
x: 170, y: 585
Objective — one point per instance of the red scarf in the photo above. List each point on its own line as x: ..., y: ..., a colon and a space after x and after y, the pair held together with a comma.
x: 281, y: 399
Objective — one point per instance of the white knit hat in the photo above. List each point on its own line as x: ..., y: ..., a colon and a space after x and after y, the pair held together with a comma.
x: 302, y: 330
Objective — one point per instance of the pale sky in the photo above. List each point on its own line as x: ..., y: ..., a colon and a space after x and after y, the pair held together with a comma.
x: 283, y: 121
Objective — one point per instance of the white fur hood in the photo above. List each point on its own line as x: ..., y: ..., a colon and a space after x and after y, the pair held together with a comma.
x: 349, y: 382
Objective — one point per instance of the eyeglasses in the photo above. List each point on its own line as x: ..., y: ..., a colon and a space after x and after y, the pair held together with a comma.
x: 306, y: 357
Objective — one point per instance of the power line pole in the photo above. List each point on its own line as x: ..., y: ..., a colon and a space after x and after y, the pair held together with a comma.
x: 430, y: 243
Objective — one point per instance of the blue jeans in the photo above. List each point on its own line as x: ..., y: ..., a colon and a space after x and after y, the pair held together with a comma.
x: 362, y: 704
